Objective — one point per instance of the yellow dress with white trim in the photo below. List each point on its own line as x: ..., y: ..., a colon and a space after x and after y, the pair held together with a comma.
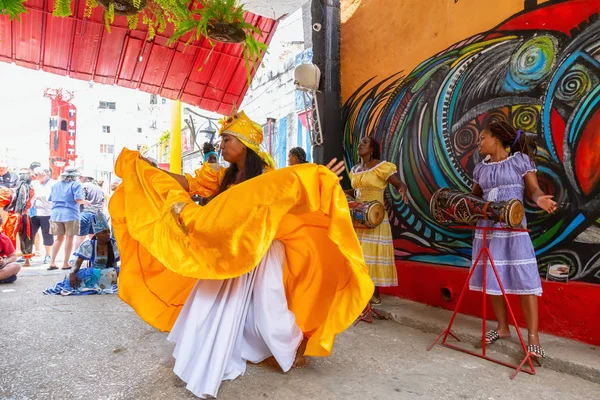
x: 168, y: 242
x: 377, y: 243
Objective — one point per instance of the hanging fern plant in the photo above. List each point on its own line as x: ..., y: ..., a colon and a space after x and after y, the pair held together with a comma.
x: 12, y: 8
x: 217, y: 20
x: 223, y: 21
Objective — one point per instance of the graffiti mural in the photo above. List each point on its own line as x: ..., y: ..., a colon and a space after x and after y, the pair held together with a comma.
x: 540, y: 71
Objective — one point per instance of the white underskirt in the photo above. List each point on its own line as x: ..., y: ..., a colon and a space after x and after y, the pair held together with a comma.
x: 223, y: 324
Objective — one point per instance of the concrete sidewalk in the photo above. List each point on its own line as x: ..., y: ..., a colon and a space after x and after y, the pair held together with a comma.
x: 562, y: 355
x: 96, y: 347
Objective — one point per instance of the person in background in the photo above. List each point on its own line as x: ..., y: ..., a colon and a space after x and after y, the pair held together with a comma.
x: 66, y: 196
x: 8, y: 180
x: 296, y: 156
x: 99, y: 258
x: 36, y: 238
x: 18, y: 222
x: 8, y: 267
x: 115, y: 184
x: 210, y: 155
x: 42, y: 208
x: 95, y: 196
x: 32, y: 168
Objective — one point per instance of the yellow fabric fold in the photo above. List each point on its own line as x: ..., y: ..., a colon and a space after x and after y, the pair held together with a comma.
x: 326, y: 280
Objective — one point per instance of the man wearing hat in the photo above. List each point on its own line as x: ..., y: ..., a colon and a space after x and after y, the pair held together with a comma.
x: 94, y: 194
x: 7, y: 179
x: 66, y: 197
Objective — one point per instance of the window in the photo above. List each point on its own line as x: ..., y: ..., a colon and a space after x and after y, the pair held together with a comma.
x: 105, y: 129
x: 107, y: 105
x: 107, y: 148
x: 139, y: 130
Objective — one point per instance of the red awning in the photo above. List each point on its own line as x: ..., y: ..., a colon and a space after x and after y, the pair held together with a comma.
x: 83, y: 49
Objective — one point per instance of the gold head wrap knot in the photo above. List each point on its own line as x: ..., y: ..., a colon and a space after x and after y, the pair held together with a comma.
x: 246, y: 131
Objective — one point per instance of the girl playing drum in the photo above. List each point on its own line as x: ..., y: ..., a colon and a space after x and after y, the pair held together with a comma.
x: 504, y: 175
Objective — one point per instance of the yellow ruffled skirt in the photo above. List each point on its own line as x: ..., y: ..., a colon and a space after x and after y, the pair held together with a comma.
x: 326, y: 281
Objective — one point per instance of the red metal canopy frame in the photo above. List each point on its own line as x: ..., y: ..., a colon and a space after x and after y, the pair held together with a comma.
x: 83, y: 49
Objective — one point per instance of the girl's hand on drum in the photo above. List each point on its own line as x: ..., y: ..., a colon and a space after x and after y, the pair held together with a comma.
x: 547, y: 204
x: 336, y: 168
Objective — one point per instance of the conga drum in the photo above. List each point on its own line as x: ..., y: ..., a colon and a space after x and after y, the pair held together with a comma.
x: 453, y: 206
x: 367, y: 215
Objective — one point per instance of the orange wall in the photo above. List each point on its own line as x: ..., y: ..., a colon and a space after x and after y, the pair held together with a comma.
x: 382, y: 37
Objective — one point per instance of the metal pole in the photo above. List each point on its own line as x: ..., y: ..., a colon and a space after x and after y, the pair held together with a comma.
x: 326, y: 55
x: 175, y: 154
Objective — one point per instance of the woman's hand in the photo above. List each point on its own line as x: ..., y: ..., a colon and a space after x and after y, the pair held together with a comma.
x: 400, y: 186
x: 546, y: 203
x: 336, y: 168
x: 403, y: 190
x: 73, y: 280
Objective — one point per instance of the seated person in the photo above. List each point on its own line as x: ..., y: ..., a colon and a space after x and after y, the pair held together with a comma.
x: 8, y: 267
x: 101, y: 256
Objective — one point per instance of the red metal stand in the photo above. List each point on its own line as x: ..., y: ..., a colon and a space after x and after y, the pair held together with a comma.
x: 367, y: 315
x: 485, y: 254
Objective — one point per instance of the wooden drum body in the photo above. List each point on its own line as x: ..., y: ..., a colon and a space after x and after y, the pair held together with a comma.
x: 366, y: 215
x: 453, y: 206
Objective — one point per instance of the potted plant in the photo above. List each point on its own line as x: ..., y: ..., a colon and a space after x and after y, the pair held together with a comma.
x: 222, y: 21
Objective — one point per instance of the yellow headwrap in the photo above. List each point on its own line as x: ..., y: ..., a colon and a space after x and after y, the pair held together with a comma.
x: 248, y: 132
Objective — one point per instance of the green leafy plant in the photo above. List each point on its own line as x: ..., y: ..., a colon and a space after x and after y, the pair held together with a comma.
x: 166, y: 136
x: 89, y: 7
x: 203, y: 20
x: 12, y: 8
x: 62, y: 8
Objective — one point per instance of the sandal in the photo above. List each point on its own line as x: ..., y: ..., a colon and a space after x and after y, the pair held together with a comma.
x: 536, y: 351
x: 376, y: 300
x: 52, y: 268
x: 492, y: 337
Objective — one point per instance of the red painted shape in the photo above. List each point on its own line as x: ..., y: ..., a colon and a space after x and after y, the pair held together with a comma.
x: 587, y: 155
x: 562, y: 17
x: 125, y: 57
x: 565, y: 309
x: 557, y: 125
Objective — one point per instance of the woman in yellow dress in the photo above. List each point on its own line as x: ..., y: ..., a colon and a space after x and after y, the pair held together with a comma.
x: 369, y: 179
x: 270, y: 266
